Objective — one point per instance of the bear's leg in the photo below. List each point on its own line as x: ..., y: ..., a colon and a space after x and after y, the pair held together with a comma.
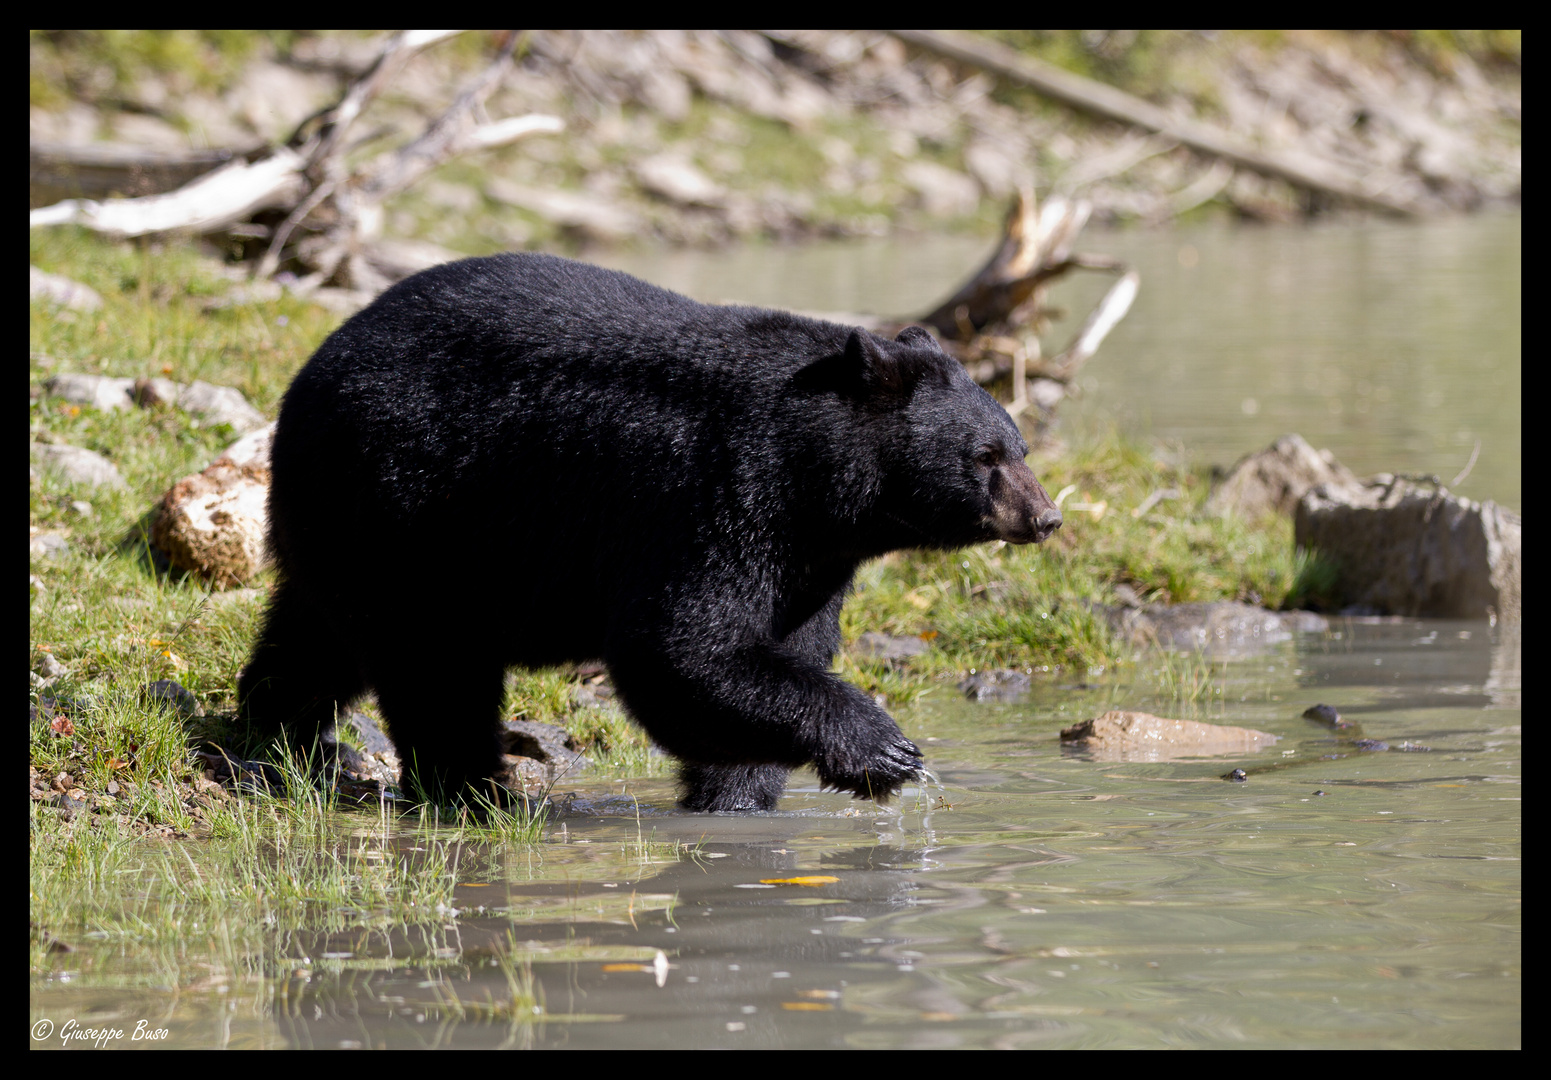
x: 444, y: 729
x: 297, y: 679
x: 762, y: 704
x: 732, y: 787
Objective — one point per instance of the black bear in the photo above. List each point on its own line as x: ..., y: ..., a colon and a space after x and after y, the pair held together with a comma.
x: 524, y: 460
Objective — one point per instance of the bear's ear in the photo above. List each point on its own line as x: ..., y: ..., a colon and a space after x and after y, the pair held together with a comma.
x: 879, y: 371
x: 866, y: 371
x: 918, y: 337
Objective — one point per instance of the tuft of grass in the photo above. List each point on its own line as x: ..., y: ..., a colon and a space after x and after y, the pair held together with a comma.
x: 1315, y: 581
x: 1186, y: 677
x: 614, y: 743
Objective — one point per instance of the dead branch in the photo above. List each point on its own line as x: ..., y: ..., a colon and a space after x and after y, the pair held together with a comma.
x: 211, y: 203
x: 1300, y: 169
x: 1104, y: 317
x: 332, y: 124
x: 1017, y: 268
x: 991, y: 324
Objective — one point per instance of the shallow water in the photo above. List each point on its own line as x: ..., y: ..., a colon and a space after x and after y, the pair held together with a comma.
x: 1036, y: 899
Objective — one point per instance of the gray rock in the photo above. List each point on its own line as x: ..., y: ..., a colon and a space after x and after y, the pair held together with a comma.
x: 341, y: 301
x: 370, y: 734
x: 251, y: 449
x: 1223, y: 628
x: 997, y: 684
x: 220, y: 405
x: 46, y: 670
x: 1271, y: 481
x: 1403, y: 548
x: 999, y: 175
x: 99, y: 391
x: 237, y: 596
x: 1046, y: 393
x: 175, y: 697
x: 666, y: 92
x: 273, y: 98
x: 398, y: 259
x: 588, y: 214
x: 590, y: 696
x: 883, y: 647
x: 539, y: 752
x: 215, y: 404
x: 243, y: 293
x: 47, y: 545
x: 76, y: 465
x: 61, y: 291
x: 1328, y: 715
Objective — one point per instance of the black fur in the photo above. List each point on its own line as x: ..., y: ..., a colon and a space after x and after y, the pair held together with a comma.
x: 527, y: 460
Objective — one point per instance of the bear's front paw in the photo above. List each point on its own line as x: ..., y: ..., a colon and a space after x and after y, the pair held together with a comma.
x: 875, y: 772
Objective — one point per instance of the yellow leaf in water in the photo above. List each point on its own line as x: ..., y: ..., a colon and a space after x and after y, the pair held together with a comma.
x: 627, y: 967
x: 813, y: 879
x: 806, y: 1006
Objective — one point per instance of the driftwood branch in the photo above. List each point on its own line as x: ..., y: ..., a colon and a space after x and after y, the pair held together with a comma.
x: 442, y: 139
x: 1104, y: 317
x: 991, y: 323
x: 1033, y: 250
x: 211, y: 203
x: 1099, y: 99
x: 334, y: 123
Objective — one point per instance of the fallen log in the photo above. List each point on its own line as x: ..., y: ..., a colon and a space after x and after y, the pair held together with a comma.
x: 93, y: 170
x: 1098, y: 99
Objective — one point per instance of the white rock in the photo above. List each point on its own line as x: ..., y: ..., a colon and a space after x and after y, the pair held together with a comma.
x: 678, y: 180
x: 213, y: 523
x: 99, y: 391
x: 56, y: 289
x: 76, y: 464
x: 251, y: 449
x: 943, y: 192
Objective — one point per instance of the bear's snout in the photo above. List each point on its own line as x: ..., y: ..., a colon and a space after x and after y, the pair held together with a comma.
x: 1024, y: 512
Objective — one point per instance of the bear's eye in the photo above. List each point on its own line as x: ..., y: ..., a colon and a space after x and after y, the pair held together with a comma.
x: 989, y: 456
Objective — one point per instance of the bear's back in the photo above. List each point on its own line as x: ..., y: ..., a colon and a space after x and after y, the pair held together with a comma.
x: 515, y: 374
x: 535, y: 309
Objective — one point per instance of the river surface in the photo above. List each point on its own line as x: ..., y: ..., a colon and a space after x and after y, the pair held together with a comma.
x: 1037, y: 898
x: 1395, y: 345
x: 1338, y: 897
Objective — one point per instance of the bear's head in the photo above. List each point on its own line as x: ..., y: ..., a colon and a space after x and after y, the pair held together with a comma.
x: 948, y: 457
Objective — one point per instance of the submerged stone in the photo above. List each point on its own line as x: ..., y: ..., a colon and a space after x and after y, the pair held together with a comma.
x: 1120, y: 735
